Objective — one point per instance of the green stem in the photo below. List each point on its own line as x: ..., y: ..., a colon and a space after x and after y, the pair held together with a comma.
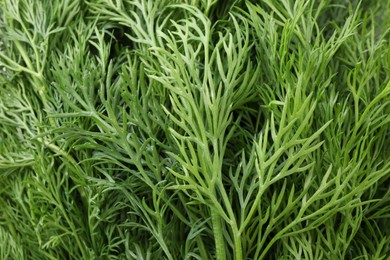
x: 218, y: 235
x: 232, y: 223
x: 237, y: 244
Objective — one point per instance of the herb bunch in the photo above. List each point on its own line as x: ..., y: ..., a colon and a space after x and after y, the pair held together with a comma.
x: 194, y: 129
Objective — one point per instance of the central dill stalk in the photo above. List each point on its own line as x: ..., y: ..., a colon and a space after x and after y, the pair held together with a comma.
x: 218, y: 235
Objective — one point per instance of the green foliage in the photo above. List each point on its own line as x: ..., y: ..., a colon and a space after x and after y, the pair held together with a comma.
x: 164, y: 129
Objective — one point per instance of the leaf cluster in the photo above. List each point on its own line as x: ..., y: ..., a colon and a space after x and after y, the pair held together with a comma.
x: 194, y: 129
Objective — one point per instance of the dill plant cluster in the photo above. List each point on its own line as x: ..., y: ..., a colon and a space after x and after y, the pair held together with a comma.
x: 194, y: 129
